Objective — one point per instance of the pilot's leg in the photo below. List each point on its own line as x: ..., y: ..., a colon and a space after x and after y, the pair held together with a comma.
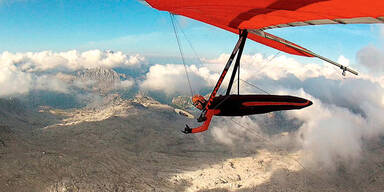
x: 206, y: 123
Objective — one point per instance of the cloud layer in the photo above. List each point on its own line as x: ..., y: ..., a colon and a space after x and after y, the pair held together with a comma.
x: 372, y: 58
x: 22, y: 72
x: 69, y: 60
x: 172, y: 79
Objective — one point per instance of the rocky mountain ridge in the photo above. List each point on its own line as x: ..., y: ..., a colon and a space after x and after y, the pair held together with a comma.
x: 99, y: 79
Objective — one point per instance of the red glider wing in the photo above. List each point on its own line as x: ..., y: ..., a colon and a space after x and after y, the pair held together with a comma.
x: 258, y: 15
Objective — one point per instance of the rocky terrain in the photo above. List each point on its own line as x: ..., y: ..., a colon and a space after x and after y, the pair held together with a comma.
x: 136, y: 145
x: 98, y: 79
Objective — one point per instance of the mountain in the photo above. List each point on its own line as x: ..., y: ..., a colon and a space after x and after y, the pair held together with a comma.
x: 183, y: 102
x: 11, y: 105
x: 98, y: 79
x: 83, y: 87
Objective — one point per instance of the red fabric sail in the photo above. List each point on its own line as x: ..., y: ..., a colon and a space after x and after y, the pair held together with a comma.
x: 233, y: 15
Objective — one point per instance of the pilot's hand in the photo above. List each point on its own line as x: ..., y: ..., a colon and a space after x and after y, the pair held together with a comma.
x: 187, y: 129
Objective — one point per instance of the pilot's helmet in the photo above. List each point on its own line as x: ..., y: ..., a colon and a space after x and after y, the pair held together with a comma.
x: 199, y: 101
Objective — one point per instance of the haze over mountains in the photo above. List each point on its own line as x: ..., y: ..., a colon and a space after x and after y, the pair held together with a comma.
x: 105, y: 121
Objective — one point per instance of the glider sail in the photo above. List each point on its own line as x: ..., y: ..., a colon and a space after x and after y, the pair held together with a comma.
x: 259, y: 15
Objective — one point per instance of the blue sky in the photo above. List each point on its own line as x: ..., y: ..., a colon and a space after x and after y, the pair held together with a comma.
x: 131, y: 27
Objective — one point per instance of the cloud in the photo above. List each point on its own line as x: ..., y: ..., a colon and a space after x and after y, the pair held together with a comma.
x: 51, y: 83
x: 13, y: 81
x: 171, y: 78
x: 232, y: 131
x: 126, y: 84
x: 257, y: 67
x: 343, y: 60
x: 332, y: 134
x: 70, y: 60
x: 48, y: 70
x: 372, y: 58
x: 329, y: 134
x: 382, y: 31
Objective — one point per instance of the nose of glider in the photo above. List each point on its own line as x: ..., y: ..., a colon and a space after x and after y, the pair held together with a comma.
x: 303, y: 103
x: 308, y: 103
x: 300, y: 103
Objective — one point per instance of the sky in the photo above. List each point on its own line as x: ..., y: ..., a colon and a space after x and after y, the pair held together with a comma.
x: 132, y: 27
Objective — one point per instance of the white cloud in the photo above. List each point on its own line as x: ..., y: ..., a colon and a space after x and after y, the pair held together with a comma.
x: 335, y: 134
x: 70, y: 60
x: 22, y: 72
x: 257, y: 67
x: 51, y: 83
x: 382, y: 31
x: 230, y: 132
x: 13, y: 81
x: 125, y: 84
x: 343, y: 60
x: 329, y: 133
x: 172, y: 78
x: 372, y: 58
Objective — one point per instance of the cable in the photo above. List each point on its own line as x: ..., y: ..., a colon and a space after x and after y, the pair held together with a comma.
x: 274, y: 56
x: 181, y: 52
x: 190, y: 44
x: 255, y: 86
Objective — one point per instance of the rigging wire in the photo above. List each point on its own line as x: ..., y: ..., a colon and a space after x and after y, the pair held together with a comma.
x: 193, y: 49
x: 255, y: 86
x: 198, y: 58
x: 260, y: 89
x: 190, y: 44
x: 181, y: 51
x: 272, y: 58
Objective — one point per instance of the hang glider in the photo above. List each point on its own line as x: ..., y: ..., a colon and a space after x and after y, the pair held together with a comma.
x: 259, y: 15
x: 249, y: 19
x: 239, y: 105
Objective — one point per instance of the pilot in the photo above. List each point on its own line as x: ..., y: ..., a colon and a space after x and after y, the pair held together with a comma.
x: 200, y: 103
